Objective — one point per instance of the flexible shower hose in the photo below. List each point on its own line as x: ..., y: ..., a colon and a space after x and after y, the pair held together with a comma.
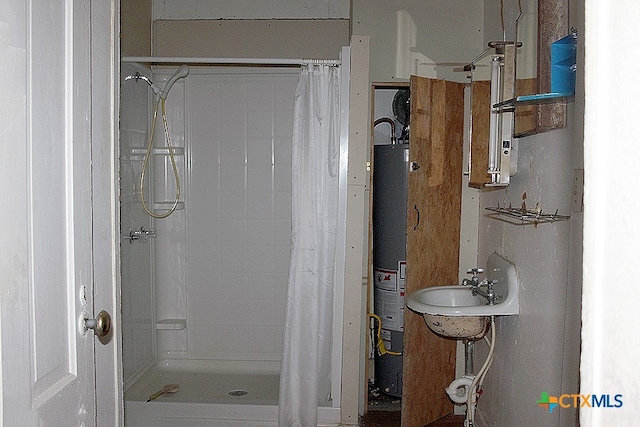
x: 146, y: 161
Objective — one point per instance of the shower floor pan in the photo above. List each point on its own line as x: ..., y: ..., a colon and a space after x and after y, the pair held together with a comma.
x: 209, y: 398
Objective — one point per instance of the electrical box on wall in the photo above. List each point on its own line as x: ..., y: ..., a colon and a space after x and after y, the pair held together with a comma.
x: 577, y: 194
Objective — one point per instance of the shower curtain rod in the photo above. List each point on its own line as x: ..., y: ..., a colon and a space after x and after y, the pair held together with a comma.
x: 229, y: 61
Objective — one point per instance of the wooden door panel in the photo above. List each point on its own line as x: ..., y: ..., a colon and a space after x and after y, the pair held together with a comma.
x: 433, y: 240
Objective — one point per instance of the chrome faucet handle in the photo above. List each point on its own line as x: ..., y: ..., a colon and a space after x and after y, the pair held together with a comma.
x: 475, y: 271
x: 488, y: 283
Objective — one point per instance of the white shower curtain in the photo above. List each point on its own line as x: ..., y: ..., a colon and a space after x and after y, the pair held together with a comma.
x: 305, y: 373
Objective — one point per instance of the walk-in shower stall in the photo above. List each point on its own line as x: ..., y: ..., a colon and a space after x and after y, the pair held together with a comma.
x: 204, y: 289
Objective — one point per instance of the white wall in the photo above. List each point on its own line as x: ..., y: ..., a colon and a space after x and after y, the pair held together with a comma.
x: 530, y: 346
x: 412, y: 37
x: 232, y: 9
x: 538, y: 350
x: 611, y: 233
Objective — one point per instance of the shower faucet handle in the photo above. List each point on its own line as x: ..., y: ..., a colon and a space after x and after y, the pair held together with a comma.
x: 142, y: 235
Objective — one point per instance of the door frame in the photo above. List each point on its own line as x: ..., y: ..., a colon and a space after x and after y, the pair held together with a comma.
x: 105, y: 75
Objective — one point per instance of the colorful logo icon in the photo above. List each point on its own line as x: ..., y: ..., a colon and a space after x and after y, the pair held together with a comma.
x: 548, y: 402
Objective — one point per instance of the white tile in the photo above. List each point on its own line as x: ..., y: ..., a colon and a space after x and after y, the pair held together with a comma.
x: 282, y: 229
x: 260, y: 312
x: 205, y: 265
x: 284, y: 92
x: 204, y: 339
x: 205, y: 156
x: 262, y: 259
x: 233, y: 236
x: 233, y: 96
x: 260, y: 205
x: 233, y: 259
x: 267, y: 341
x: 205, y: 207
x: 281, y: 289
x: 283, y: 124
x: 262, y: 286
x: 260, y: 96
x: 238, y: 235
x: 235, y: 342
x: 260, y: 124
x: 282, y: 205
x: 260, y: 178
x: 260, y: 151
x: 282, y: 257
x: 260, y: 232
x: 233, y: 205
x: 282, y: 179
x: 232, y: 178
x: 233, y: 151
x: 233, y: 124
x: 282, y: 150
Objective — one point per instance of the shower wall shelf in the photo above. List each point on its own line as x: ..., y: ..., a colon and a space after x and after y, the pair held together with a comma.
x: 166, y: 205
x: 540, y: 98
x: 162, y: 151
x: 171, y: 324
x: 563, y: 76
x: 524, y: 216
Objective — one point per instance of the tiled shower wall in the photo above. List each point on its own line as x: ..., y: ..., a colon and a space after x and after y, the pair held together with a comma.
x: 231, y: 264
x: 137, y: 303
x: 222, y: 262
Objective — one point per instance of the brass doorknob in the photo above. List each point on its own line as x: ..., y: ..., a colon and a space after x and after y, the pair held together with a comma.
x: 101, y: 325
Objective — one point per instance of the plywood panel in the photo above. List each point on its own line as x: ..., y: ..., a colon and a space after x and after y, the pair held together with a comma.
x: 480, y: 114
x: 433, y: 235
x: 526, y: 120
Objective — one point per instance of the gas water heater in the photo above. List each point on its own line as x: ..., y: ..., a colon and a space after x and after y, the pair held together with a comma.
x: 389, y: 212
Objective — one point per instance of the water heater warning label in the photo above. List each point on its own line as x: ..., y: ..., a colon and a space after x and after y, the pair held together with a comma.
x: 389, y: 299
x: 386, y: 280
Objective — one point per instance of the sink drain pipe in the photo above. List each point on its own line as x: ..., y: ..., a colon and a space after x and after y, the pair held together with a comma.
x: 459, y: 390
x: 476, y: 384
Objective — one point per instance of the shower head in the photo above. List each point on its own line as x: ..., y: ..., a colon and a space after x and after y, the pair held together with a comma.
x: 138, y: 76
x: 183, y: 71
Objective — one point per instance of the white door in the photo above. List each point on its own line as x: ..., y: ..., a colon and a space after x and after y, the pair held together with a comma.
x: 56, y: 167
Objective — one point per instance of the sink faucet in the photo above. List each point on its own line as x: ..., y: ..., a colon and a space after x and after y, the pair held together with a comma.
x: 489, y: 295
x: 475, y: 284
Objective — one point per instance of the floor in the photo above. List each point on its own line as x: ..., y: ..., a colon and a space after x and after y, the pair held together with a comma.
x: 384, y: 411
x: 392, y: 419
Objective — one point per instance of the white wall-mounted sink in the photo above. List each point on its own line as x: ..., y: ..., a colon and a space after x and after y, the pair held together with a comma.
x: 453, y: 311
